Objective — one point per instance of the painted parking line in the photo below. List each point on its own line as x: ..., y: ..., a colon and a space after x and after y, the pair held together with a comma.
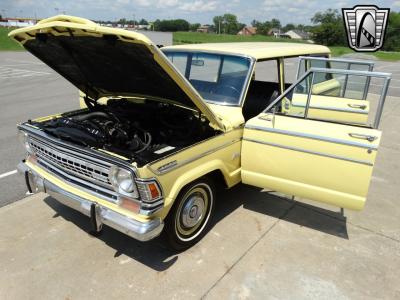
x: 8, y: 174
x: 16, y: 73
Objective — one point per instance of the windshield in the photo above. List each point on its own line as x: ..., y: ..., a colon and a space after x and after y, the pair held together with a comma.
x: 218, y: 78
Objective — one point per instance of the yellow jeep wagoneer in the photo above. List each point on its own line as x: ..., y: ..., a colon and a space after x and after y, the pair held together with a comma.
x: 158, y: 128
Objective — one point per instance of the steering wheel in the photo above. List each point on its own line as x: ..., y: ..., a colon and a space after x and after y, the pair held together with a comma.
x: 230, y: 88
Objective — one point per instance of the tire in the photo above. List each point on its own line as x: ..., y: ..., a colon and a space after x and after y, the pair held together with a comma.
x: 189, y: 219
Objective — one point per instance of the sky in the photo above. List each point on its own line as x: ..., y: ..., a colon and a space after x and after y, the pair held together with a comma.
x: 195, y: 11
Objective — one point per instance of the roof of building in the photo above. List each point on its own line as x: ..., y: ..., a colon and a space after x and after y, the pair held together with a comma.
x: 300, y: 33
x: 258, y: 50
x: 250, y: 29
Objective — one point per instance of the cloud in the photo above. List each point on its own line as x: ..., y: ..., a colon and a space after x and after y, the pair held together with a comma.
x: 202, y: 11
x: 199, y: 6
x: 168, y: 3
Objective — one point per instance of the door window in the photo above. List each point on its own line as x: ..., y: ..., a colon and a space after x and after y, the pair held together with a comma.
x: 327, y: 101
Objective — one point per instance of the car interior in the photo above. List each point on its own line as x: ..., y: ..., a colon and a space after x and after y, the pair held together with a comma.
x: 263, y: 89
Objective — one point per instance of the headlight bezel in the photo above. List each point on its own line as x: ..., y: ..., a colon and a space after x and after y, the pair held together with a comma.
x: 24, y: 140
x: 123, y: 181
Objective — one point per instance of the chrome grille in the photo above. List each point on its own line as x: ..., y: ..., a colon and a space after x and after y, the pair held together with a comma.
x: 71, y: 164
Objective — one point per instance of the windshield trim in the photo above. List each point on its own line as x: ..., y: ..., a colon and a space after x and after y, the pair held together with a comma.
x: 246, y: 82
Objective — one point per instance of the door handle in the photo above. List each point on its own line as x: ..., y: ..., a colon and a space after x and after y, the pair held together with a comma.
x: 369, y: 138
x: 360, y: 106
x: 266, y: 118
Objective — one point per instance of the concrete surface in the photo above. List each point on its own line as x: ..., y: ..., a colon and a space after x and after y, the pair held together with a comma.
x: 262, y: 245
x: 28, y: 89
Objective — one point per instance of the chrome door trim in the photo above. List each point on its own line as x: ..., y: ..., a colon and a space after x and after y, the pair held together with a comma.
x: 363, y: 162
x: 312, y: 137
x: 340, y: 60
x: 348, y: 110
x: 175, y: 164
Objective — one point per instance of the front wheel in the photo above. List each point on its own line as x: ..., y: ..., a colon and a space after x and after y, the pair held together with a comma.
x: 190, y: 216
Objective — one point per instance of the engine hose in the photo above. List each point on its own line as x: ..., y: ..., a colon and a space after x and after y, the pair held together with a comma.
x: 95, y: 114
x: 147, y: 144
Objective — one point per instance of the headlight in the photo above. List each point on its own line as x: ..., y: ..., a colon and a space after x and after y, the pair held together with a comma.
x: 23, y: 137
x: 122, y: 180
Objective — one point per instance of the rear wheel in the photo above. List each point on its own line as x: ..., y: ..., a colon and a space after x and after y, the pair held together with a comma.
x: 190, y: 216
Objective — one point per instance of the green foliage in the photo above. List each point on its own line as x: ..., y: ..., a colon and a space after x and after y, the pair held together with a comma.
x: 329, y: 30
x: 198, y: 37
x: 263, y: 28
x: 171, y: 25
x: 275, y: 23
x: 392, y: 37
x: 288, y: 27
x: 143, y: 22
x: 227, y: 24
x: 194, y: 26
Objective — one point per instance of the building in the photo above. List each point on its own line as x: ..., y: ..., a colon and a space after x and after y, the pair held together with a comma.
x: 248, y: 30
x: 17, y: 22
x: 277, y: 33
x: 204, y: 28
x: 298, y: 34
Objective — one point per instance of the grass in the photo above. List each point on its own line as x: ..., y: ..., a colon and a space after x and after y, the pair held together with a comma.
x: 7, y: 44
x: 198, y: 37
x: 182, y: 37
x: 383, y: 55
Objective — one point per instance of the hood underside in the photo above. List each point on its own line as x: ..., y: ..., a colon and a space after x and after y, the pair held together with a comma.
x: 102, y: 61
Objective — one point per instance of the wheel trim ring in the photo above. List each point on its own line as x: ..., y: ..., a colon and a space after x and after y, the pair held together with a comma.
x: 195, y: 192
x: 206, y: 188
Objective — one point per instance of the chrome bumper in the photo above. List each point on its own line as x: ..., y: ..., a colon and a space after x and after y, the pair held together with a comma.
x: 99, y: 214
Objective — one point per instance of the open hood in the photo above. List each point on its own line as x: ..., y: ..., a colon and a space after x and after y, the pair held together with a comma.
x: 102, y: 61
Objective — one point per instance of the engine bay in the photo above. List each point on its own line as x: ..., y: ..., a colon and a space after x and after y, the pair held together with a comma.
x: 141, y: 131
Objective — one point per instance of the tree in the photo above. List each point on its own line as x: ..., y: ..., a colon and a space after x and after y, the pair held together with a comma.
x: 392, y: 36
x: 194, y: 27
x: 288, y: 27
x: 143, y: 22
x: 227, y: 23
x: 264, y: 28
x: 218, y: 23
x: 329, y: 29
x: 171, y: 25
x: 275, y: 23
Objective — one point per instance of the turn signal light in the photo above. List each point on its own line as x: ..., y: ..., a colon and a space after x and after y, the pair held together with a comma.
x: 153, y: 190
x: 149, y: 190
x: 129, y: 205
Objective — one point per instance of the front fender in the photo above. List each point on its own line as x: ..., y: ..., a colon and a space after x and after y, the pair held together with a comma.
x: 195, y: 173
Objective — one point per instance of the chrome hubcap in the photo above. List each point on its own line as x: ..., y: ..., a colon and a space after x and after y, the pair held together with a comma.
x: 192, y: 211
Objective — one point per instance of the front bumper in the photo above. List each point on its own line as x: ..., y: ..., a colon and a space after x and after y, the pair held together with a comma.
x: 142, y: 231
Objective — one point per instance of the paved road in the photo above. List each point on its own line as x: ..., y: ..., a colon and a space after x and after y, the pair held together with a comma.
x: 29, y: 89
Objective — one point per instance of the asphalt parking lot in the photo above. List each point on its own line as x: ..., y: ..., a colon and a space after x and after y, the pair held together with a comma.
x: 262, y: 245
